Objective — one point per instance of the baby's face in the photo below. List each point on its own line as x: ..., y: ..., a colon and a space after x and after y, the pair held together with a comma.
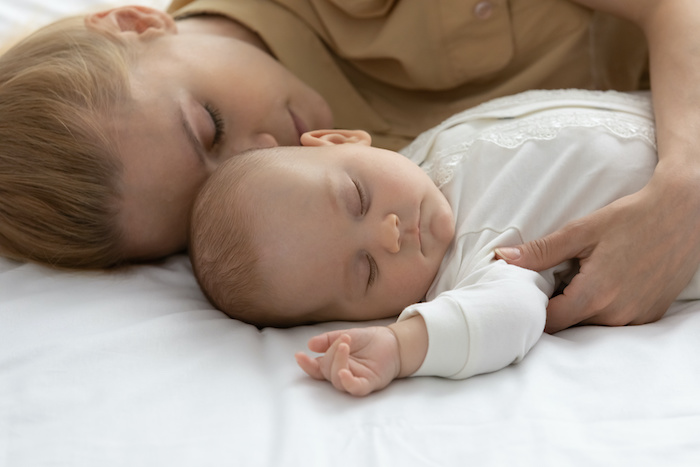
x: 348, y: 232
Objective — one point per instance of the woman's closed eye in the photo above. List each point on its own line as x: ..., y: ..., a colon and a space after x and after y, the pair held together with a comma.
x: 219, y: 129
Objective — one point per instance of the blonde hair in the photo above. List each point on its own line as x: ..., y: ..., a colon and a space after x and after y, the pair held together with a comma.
x: 222, y: 250
x: 59, y: 168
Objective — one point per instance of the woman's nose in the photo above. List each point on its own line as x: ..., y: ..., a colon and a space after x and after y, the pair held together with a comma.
x: 389, y: 234
x: 256, y: 141
x: 264, y: 141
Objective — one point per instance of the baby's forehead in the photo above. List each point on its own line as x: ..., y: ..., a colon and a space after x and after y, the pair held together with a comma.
x: 259, y: 161
x: 243, y: 182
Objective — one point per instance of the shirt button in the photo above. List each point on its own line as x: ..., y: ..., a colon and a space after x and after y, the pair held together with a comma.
x: 483, y: 9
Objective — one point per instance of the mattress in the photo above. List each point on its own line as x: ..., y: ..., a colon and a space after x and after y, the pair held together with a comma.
x: 135, y: 368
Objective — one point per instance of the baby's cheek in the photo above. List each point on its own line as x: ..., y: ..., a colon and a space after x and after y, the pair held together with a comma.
x: 443, y: 226
x: 416, y: 284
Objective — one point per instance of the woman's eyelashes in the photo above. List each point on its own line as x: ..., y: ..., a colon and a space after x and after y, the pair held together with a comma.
x: 219, y: 130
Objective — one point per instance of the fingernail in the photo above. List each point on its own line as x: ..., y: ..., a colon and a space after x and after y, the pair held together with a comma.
x: 508, y: 253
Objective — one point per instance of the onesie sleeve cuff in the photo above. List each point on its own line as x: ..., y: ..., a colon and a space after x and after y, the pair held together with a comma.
x: 448, y: 336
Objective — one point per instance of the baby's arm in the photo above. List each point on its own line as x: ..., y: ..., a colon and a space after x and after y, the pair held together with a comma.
x: 362, y: 360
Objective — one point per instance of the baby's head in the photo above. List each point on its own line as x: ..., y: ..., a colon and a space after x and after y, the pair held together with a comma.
x: 110, y: 123
x: 333, y: 230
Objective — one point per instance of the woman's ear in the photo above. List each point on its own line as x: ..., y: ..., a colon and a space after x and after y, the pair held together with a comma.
x: 333, y: 137
x: 145, y: 22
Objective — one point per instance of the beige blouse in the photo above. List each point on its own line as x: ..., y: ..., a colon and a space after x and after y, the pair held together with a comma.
x: 396, y: 68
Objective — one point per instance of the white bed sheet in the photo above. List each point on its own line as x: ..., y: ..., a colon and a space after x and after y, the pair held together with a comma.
x: 135, y: 368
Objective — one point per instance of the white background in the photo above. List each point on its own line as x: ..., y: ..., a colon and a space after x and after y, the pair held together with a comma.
x: 19, y: 17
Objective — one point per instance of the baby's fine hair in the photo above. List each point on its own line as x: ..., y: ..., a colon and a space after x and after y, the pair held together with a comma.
x: 59, y: 170
x: 222, y: 250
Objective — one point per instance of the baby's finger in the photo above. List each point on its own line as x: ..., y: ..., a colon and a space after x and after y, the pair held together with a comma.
x: 311, y: 366
x: 341, y: 361
x: 322, y: 342
x: 353, y: 384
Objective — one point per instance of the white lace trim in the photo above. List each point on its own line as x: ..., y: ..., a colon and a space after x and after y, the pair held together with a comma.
x: 512, y: 133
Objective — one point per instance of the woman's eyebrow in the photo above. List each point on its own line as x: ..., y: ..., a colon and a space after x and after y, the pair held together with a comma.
x: 196, y: 144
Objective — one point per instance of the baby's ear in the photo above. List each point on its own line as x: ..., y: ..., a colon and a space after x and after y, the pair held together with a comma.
x: 333, y: 137
x: 144, y: 21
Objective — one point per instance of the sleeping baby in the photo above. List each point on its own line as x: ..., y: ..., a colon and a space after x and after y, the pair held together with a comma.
x: 340, y: 230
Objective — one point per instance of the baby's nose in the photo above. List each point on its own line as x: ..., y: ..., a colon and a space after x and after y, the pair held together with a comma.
x: 389, y: 234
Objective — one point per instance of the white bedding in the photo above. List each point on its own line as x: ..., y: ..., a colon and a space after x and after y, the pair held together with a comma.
x: 135, y: 368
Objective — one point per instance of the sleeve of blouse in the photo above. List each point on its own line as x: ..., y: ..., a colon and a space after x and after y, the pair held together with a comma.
x: 491, y: 320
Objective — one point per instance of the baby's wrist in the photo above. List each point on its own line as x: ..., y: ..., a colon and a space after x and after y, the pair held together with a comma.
x: 412, y: 341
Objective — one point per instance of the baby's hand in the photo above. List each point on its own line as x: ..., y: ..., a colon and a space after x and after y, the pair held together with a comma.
x: 358, y: 361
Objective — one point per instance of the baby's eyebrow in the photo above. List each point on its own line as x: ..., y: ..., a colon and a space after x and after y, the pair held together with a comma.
x: 196, y: 144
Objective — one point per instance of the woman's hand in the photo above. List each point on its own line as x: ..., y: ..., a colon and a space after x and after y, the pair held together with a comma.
x: 636, y: 255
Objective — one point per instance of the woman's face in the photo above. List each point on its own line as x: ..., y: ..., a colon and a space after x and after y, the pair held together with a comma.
x: 198, y: 99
